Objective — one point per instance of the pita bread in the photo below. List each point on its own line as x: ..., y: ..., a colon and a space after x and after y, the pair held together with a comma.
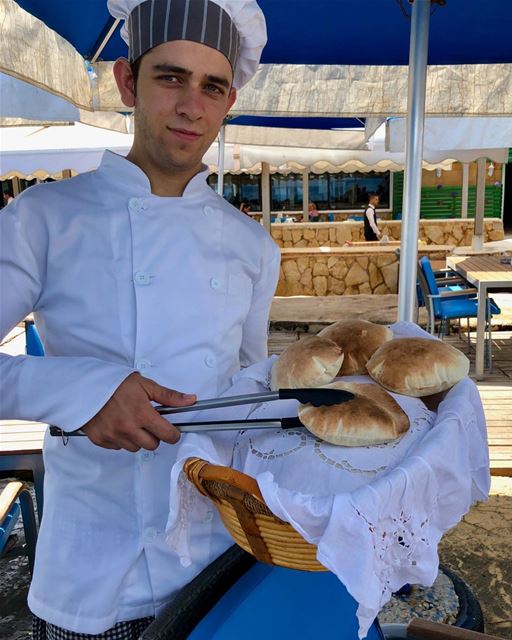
x: 310, y: 362
x: 417, y: 366
x: 372, y: 417
x: 359, y: 340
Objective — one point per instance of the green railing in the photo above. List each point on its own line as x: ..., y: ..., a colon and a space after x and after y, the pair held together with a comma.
x: 447, y: 201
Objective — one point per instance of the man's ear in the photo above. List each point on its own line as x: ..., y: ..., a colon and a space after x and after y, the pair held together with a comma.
x: 125, y: 81
x: 231, y: 99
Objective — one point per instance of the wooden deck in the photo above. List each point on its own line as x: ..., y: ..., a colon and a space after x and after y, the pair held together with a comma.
x: 495, y: 391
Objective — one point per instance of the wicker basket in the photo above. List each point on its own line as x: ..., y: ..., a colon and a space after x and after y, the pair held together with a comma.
x: 248, y: 519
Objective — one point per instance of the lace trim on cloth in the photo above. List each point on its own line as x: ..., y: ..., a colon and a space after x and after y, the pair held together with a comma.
x: 190, y: 502
x: 397, y: 544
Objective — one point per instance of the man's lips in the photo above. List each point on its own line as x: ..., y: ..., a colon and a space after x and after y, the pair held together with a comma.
x: 184, y: 134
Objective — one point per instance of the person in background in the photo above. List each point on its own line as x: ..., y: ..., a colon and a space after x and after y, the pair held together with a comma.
x: 245, y: 207
x: 7, y: 197
x: 313, y: 213
x: 371, y: 230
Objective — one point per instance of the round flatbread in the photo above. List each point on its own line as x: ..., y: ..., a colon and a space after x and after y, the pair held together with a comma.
x: 372, y: 417
x: 310, y: 362
x: 359, y: 340
x: 417, y: 366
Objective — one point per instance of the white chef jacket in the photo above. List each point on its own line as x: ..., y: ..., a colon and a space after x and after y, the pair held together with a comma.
x: 121, y: 280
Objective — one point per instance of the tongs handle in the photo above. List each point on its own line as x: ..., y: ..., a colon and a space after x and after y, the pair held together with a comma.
x: 317, y: 396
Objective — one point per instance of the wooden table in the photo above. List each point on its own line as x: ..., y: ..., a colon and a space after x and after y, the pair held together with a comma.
x: 485, y: 273
x: 21, y: 449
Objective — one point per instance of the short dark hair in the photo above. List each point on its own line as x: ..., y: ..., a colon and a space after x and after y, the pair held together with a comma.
x: 135, y: 66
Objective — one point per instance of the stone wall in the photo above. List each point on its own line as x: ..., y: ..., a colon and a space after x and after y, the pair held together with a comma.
x: 456, y: 232
x: 344, y: 271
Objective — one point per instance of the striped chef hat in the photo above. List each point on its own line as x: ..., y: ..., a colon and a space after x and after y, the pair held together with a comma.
x: 236, y: 28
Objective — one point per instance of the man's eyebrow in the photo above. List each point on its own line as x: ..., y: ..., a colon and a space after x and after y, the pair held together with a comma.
x: 224, y: 82
x: 170, y: 68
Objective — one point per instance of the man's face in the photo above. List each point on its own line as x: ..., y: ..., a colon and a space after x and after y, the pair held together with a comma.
x: 374, y: 200
x: 183, y: 94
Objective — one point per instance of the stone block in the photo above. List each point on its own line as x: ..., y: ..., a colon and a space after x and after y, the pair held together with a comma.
x: 435, y: 234
x: 291, y: 271
x: 288, y: 245
x: 362, y: 261
x: 306, y: 278
x: 365, y: 288
x: 301, y: 243
x: 331, y: 262
x: 343, y: 235
x: 277, y: 233
x: 334, y: 286
x: 322, y: 236
x: 309, y: 234
x: 375, y: 275
x: 390, y: 274
x: 302, y: 263
x: 287, y: 235
x: 386, y: 259
x: 381, y: 289
x: 332, y: 235
x: 320, y: 269
x: 320, y: 285
x: 356, y: 275
x: 340, y: 270
x: 296, y: 235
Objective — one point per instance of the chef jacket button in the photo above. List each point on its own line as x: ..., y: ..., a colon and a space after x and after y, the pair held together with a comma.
x: 214, y: 283
x: 150, y: 534
x: 148, y: 455
x: 210, y: 361
x: 136, y: 204
x: 207, y: 211
x: 208, y: 516
x: 141, y: 365
x: 142, y: 278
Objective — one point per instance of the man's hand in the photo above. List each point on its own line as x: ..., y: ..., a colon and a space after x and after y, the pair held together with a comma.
x: 129, y: 421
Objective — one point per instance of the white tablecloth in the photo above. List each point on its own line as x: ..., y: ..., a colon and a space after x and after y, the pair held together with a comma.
x: 376, y: 513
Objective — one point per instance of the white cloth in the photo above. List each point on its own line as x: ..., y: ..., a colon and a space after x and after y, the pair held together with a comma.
x: 248, y: 19
x: 119, y: 281
x: 376, y: 513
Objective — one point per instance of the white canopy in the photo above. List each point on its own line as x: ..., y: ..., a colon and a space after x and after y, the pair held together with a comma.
x: 47, y: 151
x: 469, y: 134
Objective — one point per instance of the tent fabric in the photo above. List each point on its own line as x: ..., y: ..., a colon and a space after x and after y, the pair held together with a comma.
x: 308, y: 138
x: 454, y: 133
x: 45, y: 59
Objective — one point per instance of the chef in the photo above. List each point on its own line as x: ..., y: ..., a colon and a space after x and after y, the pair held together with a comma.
x: 145, y: 286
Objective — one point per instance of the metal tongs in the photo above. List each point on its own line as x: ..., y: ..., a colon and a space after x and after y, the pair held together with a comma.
x: 316, y: 396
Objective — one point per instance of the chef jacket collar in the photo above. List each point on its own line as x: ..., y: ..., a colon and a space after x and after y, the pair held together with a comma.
x: 117, y: 168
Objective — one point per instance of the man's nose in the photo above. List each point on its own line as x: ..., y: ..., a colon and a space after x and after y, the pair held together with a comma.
x: 190, y: 104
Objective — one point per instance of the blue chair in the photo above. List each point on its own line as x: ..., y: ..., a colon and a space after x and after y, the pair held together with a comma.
x: 33, y: 344
x: 445, y: 304
x: 15, y: 500
x: 330, y: 217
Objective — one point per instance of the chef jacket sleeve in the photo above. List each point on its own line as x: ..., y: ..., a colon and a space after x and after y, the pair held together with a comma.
x: 255, y: 329
x: 65, y: 391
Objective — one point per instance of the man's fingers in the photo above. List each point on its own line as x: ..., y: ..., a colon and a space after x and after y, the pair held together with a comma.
x: 160, y: 428
x: 163, y: 395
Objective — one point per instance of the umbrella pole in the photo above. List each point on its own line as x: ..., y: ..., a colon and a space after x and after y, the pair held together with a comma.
x: 418, y: 53
x: 222, y: 139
